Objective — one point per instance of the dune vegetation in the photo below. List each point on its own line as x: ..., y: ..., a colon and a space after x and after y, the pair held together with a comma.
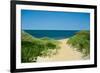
x: 81, y: 41
x: 32, y: 47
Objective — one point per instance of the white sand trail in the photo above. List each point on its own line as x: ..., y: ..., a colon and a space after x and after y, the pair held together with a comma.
x: 65, y: 53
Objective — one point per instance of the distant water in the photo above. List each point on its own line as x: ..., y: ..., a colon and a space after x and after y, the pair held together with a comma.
x: 55, y: 34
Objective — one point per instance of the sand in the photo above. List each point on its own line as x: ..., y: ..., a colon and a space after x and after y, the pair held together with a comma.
x: 65, y: 53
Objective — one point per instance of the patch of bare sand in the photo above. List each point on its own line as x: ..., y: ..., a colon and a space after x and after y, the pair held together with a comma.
x: 65, y: 53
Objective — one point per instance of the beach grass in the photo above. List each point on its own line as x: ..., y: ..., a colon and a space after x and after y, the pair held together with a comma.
x: 81, y: 41
x: 32, y: 47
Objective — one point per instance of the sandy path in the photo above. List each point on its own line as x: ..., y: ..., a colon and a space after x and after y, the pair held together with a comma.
x: 65, y: 53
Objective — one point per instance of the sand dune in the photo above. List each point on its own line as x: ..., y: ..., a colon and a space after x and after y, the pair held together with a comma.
x: 65, y: 53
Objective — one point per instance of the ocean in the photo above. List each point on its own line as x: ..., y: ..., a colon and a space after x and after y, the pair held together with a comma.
x: 55, y: 34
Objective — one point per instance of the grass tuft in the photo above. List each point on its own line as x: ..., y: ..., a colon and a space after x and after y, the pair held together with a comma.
x: 81, y: 41
x: 32, y: 47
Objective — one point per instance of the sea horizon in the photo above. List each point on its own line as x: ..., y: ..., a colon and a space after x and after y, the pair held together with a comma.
x: 54, y: 34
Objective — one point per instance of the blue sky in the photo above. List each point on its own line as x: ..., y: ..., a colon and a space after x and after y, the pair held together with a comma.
x: 52, y: 20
